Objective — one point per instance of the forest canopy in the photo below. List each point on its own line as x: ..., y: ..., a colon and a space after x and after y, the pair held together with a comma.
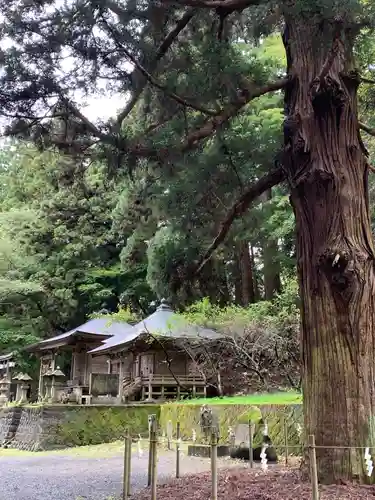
x: 241, y: 149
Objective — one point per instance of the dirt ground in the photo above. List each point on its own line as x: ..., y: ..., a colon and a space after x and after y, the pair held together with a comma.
x: 244, y: 484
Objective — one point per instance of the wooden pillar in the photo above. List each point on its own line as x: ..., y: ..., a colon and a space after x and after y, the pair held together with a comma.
x: 162, y: 387
x: 121, y: 380
x: 178, y: 392
x: 40, y: 386
x: 72, y: 365
x: 150, y: 387
x: 87, y: 369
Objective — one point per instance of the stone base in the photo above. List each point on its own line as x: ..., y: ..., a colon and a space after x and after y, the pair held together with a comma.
x: 204, y: 451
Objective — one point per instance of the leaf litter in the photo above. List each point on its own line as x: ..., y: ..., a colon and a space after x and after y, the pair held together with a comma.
x: 246, y: 484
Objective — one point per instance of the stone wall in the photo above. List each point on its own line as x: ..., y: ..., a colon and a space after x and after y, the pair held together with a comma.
x: 49, y: 427
x: 28, y: 430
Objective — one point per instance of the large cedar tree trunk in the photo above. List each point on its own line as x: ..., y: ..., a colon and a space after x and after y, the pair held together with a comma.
x: 246, y: 272
x: 271, y: 269
x: 328, y: 175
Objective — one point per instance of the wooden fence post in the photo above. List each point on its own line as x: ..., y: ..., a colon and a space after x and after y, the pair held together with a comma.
x: 178, y: 437
x: 169, y: 434
x: 286, y: 442
x: 214, y: 464
x: 251, y: 439
x: 151, y: 418
x: 126, y: 465
x: 154, y: 444
x: 129, y: 468
x: 313, y: 469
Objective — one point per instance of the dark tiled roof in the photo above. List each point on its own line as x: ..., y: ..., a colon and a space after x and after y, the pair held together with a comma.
x: 103, y: 327
x: 6, y: 357
x: 127, y: 335
x: 164, y: 322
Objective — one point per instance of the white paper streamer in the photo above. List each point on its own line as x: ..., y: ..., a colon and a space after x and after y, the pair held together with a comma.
x: 368, y: 462
x: 263, y: 458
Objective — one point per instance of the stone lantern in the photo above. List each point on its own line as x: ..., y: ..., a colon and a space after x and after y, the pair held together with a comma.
x: 23, y: 385
x: 4, y: 390
x: 56, y: 387
x: 47, y: 377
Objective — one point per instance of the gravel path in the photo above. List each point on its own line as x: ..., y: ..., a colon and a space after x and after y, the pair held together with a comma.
x: 59, y: 477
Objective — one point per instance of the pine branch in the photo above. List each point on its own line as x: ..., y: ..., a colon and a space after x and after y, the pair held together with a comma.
x: 223, y: 116
x: 142, y: 150
x: 91, y: 127
x: 366, y: 128
x: 127, y: 14
x: 367, y: 80
x: 239, y: 208
x: 163, y: 88
x: 215, y: 4
x: 211, y: 125
x: 160, y: 53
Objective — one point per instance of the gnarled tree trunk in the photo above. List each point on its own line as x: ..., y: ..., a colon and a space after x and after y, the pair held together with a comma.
x: 328, y: 174
x: 271, y: 270
x: 246, y: 271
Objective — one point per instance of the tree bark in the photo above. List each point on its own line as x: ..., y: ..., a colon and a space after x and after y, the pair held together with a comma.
x: 271, y: 269
x: 255, y: 277
x: 246, y: 269
x: 236, y: 277
x: 327, y: 171
x: 271, y: 272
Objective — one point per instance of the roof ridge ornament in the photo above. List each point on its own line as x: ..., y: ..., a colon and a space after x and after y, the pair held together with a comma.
x: 164, y: 306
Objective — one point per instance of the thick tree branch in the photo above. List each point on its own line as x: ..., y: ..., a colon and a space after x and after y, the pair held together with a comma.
x: 371, y: 131
x: 239, y: 208
x: 160, y: 53
x: 367, y: 80
x: 211, y: 125
x: 168, y: 360
x: 366, y: 128
x: 89, y: 125
x: 230, y: 111
x: 143, y: 150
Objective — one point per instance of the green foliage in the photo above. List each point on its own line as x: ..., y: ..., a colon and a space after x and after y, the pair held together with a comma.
x: 232, y: 415
x: 86, y: 426
x: 124, y: 314
x: 283, y: 307
x: 263, y: 399
x: 168, y: 251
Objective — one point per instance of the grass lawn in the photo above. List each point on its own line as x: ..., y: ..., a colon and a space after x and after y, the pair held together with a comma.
x: 105, y: 450
x: 94, y: 451
x: 272, y: 398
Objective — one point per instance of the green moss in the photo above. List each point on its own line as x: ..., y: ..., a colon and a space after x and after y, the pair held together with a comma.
x: 84, y: 426
x: 232, y: 415
x: 254, y: 414
x: 95, y: 425
x: 269, y: 398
